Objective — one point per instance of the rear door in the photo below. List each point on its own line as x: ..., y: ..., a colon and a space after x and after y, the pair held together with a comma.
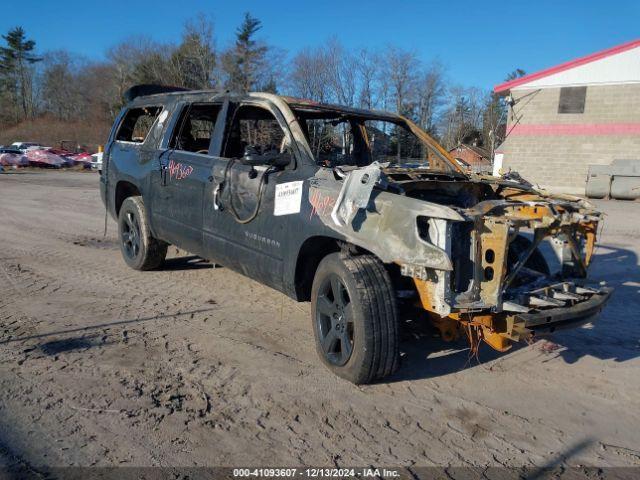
x: 184, y: 171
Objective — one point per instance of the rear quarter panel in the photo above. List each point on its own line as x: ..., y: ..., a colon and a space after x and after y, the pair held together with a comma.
x: 134, y: 162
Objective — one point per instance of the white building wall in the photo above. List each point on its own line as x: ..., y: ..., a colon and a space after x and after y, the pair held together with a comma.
x: 623, y: 67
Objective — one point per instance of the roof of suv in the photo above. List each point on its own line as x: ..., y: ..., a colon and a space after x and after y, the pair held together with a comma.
x: 293, y: 102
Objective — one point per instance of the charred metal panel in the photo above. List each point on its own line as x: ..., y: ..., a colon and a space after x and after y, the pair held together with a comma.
x: 493, y: 255
x: 387, y: 227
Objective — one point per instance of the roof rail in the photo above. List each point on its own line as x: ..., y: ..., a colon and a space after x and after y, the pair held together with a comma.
x: 149, y: 89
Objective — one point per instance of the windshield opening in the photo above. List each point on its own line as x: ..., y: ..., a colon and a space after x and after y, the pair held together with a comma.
x: 338, y: 139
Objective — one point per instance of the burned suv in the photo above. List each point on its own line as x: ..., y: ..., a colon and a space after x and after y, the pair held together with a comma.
x: 359, y: 212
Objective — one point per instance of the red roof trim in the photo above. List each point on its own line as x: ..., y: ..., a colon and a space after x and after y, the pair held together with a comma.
x: 565, y: 66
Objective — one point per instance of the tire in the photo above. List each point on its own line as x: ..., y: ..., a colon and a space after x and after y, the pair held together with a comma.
x: 139, y: 249
x: 356, y: 330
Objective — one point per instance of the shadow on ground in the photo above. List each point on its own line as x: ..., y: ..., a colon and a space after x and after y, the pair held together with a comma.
x: 426, y: 355
x: 614, y: 336
x: 191, y: 262
x: 73, y: 344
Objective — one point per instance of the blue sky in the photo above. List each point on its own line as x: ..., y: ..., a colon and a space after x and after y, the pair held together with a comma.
x: 478, y: 42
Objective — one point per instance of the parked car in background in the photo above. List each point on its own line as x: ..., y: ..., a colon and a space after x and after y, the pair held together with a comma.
x: 44, y: 158
x: 71, y: 159
x: 13, y: 157
x: 96, y: 162
x: 65, y: 155
x: 82, y: 159
x: 24, y: 146
x: 10, y: 150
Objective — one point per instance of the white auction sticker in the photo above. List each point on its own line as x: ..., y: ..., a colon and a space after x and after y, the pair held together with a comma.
x: 288, y: 198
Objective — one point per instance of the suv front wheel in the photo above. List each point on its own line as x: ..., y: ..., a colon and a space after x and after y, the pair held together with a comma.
x: 140, y: 250
x: 355, y: 317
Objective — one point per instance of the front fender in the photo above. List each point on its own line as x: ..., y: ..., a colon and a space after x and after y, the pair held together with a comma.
x: 388, y: 227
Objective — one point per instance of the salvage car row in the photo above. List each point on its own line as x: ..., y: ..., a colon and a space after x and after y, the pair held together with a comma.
x: 21, y: 154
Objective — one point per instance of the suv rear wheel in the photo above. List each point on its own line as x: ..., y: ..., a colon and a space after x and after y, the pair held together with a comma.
x: 139, y: 249
x: 355, y: 317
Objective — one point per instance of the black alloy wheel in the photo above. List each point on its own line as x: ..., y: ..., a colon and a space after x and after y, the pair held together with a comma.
x: 140, y: 250
x: 334, y: 321
x: 355, y: 317
x: 131, y: 235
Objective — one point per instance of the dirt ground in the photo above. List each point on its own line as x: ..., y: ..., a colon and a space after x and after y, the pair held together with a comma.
x: 196, y: 365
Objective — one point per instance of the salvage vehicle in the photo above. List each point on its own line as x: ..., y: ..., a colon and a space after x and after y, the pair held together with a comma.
x: 96, y: 161
x: 24, y: 146
x: 359, y: 212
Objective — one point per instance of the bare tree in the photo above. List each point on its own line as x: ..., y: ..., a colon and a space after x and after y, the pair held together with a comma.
x: 192, y: 64
x: 400, y: 67
x: 383, y: 90
x: 463, y: 118
x: 367, y: 64
x: 342, y: 72
x: 430, y: 95
x: 97, y: 81
x: 309, y: 75
x: 136, y: 60
x: 272, y: 76
x: 494, y: 118
x: 61, y: 92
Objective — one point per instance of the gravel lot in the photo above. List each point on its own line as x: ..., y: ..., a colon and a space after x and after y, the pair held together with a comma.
x: 196, y: 365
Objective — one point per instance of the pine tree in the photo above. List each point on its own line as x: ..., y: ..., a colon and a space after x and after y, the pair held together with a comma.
x: 244, y: 62
x: 16, y: 74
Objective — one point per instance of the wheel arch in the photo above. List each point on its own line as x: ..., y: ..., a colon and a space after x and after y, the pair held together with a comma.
x: 123, y: 190
x: 310, y: 254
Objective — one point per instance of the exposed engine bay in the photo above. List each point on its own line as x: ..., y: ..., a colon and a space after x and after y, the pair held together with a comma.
x: 492, y: 256
x: 487, y: 275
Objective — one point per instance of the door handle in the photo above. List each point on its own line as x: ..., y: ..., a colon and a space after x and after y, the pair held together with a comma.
x: 164, y: 166
x: 216, y: 197
x: 163, y: 174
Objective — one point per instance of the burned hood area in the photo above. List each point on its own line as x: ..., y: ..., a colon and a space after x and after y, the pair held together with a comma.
x: 493, y: 257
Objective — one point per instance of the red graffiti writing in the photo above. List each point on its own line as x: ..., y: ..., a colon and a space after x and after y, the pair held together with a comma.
x: 321, y: 203
x: 178, y: 170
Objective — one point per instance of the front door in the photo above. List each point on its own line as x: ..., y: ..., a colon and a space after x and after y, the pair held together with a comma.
x: 184, y: 174
x: 248, y: 211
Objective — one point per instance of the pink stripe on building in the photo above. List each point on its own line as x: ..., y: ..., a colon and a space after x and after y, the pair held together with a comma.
x: 577, y: 129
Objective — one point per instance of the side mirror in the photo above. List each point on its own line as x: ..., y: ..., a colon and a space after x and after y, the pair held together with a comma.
x: 253, y: 158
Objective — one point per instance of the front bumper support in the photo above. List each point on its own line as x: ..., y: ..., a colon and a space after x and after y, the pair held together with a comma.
x: 553, y: 319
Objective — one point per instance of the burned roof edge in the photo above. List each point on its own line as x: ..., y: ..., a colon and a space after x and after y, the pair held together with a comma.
x: 141, y: 93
